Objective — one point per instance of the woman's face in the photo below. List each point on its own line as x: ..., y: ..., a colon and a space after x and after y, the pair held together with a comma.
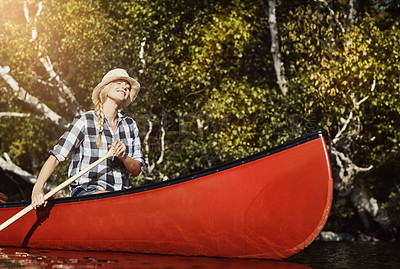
x: 119, y: 91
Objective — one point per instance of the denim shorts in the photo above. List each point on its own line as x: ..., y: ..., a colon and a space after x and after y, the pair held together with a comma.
x: 79, y: 191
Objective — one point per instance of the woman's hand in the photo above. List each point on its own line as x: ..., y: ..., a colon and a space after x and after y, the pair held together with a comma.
x: 38, y: 198
x: 119, y: 149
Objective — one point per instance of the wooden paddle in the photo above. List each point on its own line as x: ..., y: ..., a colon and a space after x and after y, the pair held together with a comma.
x: 3, y: 197
x: 55, y: 190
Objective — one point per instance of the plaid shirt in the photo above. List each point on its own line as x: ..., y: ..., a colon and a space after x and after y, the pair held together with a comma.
x: 80, y: 141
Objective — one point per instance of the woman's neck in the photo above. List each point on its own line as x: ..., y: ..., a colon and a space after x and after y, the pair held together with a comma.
x: 110, y: 110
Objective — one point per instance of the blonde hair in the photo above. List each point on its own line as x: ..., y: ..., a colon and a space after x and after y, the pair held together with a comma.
x: 98, y: 107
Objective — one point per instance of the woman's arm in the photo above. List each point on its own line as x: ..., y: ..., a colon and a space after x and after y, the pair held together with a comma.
x: 45, y: 173
x: 133, y: 166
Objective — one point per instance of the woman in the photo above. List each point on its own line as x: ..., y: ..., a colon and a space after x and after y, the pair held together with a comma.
x: 92, y: 134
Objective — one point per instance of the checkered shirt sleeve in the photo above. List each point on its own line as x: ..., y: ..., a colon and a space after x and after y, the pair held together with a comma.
x: 70, y: 140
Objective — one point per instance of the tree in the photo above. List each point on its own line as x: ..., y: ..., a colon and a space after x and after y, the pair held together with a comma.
x: 39, y: 78
x: 338, y: 74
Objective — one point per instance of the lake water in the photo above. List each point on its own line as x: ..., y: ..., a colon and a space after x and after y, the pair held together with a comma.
x: 317, y: 255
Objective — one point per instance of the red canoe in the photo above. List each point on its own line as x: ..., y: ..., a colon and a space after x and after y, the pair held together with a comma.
x: 270, y: 205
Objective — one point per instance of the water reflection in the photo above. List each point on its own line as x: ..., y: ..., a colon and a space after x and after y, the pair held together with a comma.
x: 36, y: 258
x: 349, y: 255
x: 317, y: 255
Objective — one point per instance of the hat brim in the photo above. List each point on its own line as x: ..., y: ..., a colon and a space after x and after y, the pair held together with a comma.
x: 135, y: 88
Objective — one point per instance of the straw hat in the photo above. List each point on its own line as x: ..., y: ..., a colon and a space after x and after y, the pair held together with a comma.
x: 113, y: 75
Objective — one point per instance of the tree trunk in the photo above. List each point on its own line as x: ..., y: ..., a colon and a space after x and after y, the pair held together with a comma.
x: 367, y: 205
x: 351, y: 16
x: 276, y: 54
x: 344, y: 171
x: 24, y: 96
x: 7, y: 165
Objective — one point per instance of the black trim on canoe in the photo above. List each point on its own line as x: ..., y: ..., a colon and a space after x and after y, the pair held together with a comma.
x: 224, y: 166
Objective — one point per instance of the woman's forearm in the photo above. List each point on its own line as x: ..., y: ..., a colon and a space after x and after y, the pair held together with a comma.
x: 133, y: 166
x: 47, y: 170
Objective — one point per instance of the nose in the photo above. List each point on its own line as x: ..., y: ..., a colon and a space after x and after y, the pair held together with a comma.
x: 127, y: 86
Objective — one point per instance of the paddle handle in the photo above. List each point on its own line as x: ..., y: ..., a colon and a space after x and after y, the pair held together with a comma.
x: 55, y: 190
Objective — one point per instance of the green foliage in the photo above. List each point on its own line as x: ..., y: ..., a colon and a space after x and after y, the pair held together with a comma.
x: 393, y: 206
x: 26, y: 141
x: 331, y: 69
x: 195, y: 53
x: 77, y: 36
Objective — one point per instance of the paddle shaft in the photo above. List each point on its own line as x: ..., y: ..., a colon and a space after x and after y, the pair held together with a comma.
x: 3, y: 198
x: 54, y: 191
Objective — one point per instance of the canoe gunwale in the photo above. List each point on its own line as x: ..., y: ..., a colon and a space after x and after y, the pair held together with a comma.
x: 290, y: 144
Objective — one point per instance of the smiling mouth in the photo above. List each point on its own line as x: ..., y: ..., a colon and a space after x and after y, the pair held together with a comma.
x: 122, y: 92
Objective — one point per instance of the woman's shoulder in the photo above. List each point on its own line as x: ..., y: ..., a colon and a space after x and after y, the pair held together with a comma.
x: 125, y: 117
x: 88, y: 115
x: 128, y: 120
x: 84, y: 119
